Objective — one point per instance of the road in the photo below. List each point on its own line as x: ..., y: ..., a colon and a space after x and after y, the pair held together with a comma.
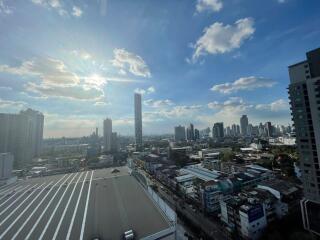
x: 211, y: 228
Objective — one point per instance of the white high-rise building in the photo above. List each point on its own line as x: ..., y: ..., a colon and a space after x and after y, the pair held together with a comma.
x: 22, y: 134
x: 304, y: 94
x: 107, y: 134
x: 138, y: 119
x: 6, y: 164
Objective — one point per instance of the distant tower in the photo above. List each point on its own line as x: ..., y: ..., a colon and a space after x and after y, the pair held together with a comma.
x: 218, y: 130
x: 114, y: 142
x: 107, y: 134
x: 97, y: 132
x: 244, y: 125
x: 138, y: 119
x: 179, y: 133
x: 196, y: 134
x: 190, y: 132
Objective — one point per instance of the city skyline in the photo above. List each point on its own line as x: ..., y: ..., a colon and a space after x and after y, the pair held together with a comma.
x: 189, y: 76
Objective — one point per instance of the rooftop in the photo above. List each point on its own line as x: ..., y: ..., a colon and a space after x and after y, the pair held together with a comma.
x: 59, y: 204
x: 202, y: 173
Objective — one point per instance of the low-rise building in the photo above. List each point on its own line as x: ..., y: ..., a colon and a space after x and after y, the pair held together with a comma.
x: 286, y: 193
x: 243, y: 217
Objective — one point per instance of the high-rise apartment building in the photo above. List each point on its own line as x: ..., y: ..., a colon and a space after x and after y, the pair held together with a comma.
x: 304, y: 94
x: 179, y: 133
x: 107, y: 134
x: 138, y: 119
x: 244, y: 125
x: 22, y: 134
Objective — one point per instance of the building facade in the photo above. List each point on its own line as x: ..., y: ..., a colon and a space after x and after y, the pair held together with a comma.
x: 179, y: 133
x: 107, y: 134
x: 190, y: 132
x: 114, y: 142
x: 6, y: 164
x: 244, y: 125
x: 218, y: 130
x: 304, y: 94
x: 22, y: 135
x: 138, y: 119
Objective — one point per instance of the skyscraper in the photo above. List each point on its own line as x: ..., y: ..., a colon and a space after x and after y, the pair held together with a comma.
x: 244, y: 125
x: 138, y: 119
x: 22, y: 135
x: 179, y: 133
x: 114, y: 142
x: 218, y: 130
x: 269, y: 129
x: 304, y: 95
x: 107, y: 134
x: 234, y: 130
x: 196, y: 134
x: 190, y: 132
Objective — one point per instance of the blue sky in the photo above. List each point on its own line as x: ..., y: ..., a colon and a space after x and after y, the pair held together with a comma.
x: 198, y: 61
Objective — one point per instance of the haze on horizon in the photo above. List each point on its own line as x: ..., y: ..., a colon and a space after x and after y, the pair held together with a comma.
x: 193, y: 61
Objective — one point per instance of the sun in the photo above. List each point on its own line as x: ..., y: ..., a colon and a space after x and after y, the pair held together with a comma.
x: 96, y: 80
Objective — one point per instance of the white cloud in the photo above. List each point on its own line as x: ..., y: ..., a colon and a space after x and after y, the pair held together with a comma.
x: 130, y: 62
x: 51, y: 71
x: 95, y: 80
x: 58, y: 6
x: 151, y: 89
x: 237, y: 104
x: 122, y: 72
x: 3, y: 88
x: 276, y: 106
x: 76, y: 11
x: 165, y: 111
x: 57, y: 125
x: 244, y: 83
x: 230, y: 111
x: 74, y: 92
x: 101, y: 104
x: 82, y: 54
x: 142, y: 91
x: 4, y: 104
x: 4, y: 8
x: 123, y: 122
x: 178, y: 111
x: 220, y: 38
x: 158, y: 103
x: 209, y: 5
x: 57, y: 80
x: 233, y: 104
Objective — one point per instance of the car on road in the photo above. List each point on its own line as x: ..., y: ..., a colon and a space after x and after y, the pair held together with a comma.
x: 128, y: 235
